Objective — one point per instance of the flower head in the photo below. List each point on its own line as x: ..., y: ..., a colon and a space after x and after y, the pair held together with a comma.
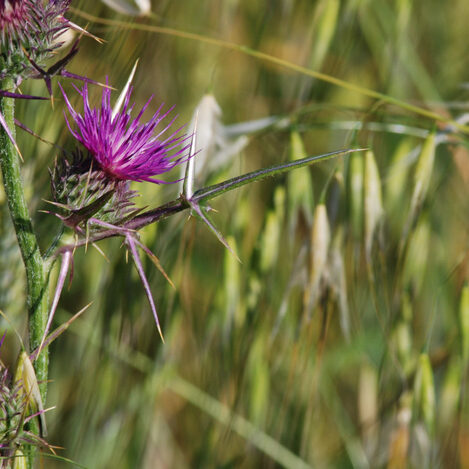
x: 19, y: 397
x: 29, y: 30
x: 124, y: 148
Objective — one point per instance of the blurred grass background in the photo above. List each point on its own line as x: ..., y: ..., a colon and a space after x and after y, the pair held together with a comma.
x: 342, y: 337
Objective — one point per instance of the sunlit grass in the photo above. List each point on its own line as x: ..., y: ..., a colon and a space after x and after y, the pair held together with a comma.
x: 341, y: 338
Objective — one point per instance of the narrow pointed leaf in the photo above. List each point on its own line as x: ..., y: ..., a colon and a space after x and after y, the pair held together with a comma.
x: 210, y: 192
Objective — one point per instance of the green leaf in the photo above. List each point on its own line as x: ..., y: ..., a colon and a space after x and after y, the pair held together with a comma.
x: 211, y: 192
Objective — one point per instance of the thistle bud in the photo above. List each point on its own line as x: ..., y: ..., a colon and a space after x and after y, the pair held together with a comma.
x: 82, y: 192
x: 25, y: 378
x: 28, y: 33
x: 15, y: 409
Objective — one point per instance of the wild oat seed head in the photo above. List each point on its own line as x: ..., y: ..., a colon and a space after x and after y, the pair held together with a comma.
x: 122, y: 147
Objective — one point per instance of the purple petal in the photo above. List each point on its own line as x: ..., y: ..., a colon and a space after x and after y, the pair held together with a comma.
x: 123, y: 147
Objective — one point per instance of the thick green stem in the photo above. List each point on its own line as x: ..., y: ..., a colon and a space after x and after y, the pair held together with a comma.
x: 37, y: 293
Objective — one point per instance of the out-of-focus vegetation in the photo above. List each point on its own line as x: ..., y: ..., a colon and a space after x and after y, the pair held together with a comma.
x: 341, y: 339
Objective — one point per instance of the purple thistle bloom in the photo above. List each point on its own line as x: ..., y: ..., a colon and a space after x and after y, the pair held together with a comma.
x: 29, y: 32
x: 124, y: 148
x: 12, y: 13
x: 24, y: 19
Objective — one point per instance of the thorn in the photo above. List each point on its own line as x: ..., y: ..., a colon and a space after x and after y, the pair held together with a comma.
x: 138, y: 264
x: 83, y: 31
x: 155, y: 261
x: 26, y: 129
x: 4, y: 124
x: 58, y: 291
x: 57, y: 204
x: 195, y: 206
x: 121, y: 98
x: 13, y: 328
x: 100, y: 251
x: 60, y: 330
x: 188, y: 184
x: 75, y: 245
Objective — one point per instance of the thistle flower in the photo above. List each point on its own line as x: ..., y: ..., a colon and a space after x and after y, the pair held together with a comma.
x: 94, y: 188
x: 126, y: 149
x: 17, y: 395
x: 28, y: 33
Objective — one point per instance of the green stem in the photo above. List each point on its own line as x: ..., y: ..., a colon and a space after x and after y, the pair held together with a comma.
x: 37, y: 292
